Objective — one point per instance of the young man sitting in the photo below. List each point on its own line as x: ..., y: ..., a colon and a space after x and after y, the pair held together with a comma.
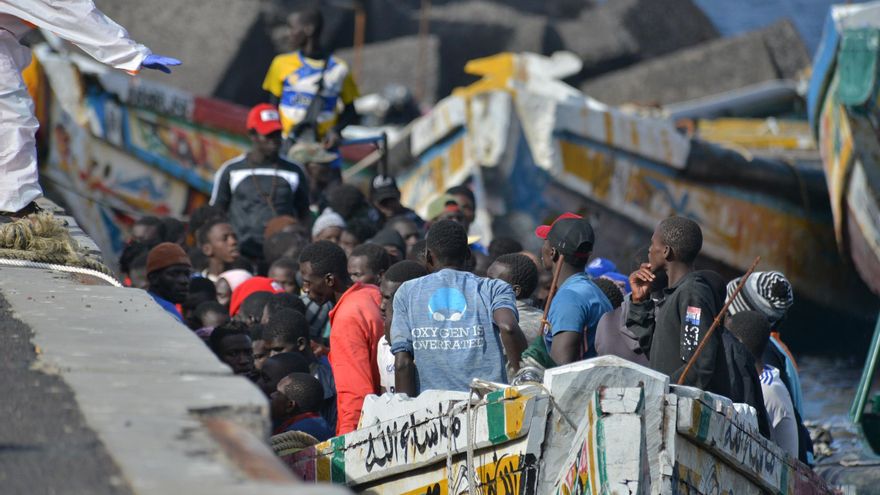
x: 210, y: 315
x: 277, y: 367
x: 367, y: 263
x: 753, y: 330
x: 258, y: 344
x: 522, y: 275
x: 294, y: 407
x: 219, y: 244
x: 397, y: 274
x: 288, y: 331
x: 283, y: 271
x: 168, y: 275
x: 280, y: 301
x: 252, y: 308
x: 231, y: 342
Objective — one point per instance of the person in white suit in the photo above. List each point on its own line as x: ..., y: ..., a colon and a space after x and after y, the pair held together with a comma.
x: 79, y: 22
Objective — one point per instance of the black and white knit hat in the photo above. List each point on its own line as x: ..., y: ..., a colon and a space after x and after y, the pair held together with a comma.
x: 766, y: 292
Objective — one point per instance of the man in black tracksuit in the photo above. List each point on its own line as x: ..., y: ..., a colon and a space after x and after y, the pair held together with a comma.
x: 670, y: 328
x: 260, y: 185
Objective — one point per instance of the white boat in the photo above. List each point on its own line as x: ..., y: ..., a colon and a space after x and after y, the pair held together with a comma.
x: 603, y: 425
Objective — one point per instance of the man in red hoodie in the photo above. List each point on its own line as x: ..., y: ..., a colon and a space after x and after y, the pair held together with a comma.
x: 356, y: 326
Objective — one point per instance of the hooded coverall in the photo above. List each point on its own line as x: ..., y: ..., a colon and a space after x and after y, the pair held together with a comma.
x: 77, y: 21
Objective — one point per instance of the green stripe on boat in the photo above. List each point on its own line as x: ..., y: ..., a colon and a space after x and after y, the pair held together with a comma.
x: 337, y: 462
x: 705, y: 422
x: 600, y: 449
x: 495, y: 420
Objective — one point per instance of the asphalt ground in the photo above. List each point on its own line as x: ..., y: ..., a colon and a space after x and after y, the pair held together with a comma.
x: 45, y: 445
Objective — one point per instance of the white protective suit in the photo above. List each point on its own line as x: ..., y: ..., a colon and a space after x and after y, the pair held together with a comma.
x: 77, y: 21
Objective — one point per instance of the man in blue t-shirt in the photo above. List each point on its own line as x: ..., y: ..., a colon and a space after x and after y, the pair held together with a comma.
x: 452, y: 326
x: 578, y: 304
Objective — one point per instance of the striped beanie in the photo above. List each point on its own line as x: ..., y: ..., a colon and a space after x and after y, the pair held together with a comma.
x: 766, y: 292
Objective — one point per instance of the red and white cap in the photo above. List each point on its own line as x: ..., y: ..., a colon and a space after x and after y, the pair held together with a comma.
x: 264, y: 119
x: 543, y: 230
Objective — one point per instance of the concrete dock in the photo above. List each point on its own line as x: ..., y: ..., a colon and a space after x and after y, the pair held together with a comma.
x: 104, y: 392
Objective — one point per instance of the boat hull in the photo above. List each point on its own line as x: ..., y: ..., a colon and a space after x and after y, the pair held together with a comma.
x: 851, y: 159
x: 611, y: 427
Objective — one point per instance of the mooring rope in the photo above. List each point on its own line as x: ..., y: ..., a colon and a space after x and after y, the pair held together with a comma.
x: 291, y: 442
x: 61, y: 268
x: 42, y: 241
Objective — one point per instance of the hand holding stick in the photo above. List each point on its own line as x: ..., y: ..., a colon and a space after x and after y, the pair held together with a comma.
x: 553, y: 286
x: 717, y: 321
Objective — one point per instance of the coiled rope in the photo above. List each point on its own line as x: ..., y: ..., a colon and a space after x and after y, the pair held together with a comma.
x: 42, y: 241
x: 291, y: 442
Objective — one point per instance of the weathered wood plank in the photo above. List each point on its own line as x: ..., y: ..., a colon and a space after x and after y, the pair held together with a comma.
x: 608, y: 452
x: 698, y: 471
x: 572, y: 384
x: 423, y: 438
x: 743, y: 447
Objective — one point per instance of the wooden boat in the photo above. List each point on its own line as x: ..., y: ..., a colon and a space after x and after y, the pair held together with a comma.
x: 842, y: 100
x: 537, y: 147
x: 119, y: 148
x: 603, y: 425
x: 843, y: 108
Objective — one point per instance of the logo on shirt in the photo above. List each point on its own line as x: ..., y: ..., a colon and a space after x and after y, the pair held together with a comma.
x: 767, y: 376
x: 693, y: 316
x: 447, y: 304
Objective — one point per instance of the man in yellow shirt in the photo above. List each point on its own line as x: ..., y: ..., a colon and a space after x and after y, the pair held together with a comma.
x: 295, y: 78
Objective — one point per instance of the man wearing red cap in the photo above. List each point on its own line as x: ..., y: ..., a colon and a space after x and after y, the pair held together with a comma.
x: 578, y: 304
x: 168, y: 273
x: 260, y: 185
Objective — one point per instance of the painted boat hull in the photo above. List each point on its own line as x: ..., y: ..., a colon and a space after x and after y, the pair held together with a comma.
x: 849, y: 149
x: 612, y: 427
x: 539, y: 150
x: 848, y: 141
x: 120, y: 148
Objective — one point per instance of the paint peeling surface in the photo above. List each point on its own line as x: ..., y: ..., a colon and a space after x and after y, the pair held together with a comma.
x: 123, y: 148
x: 592, y: 439
x: 847, y: 134
x: 630, y: 166
x: 594, y: 466
x: 500, y: 431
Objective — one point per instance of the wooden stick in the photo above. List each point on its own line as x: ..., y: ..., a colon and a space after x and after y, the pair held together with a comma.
x: 553, y: 286
x: 717, y: 321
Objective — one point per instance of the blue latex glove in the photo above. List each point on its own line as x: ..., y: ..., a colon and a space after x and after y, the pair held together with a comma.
x: 159, y: 62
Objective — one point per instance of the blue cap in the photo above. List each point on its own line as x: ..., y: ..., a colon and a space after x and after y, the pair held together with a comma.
x: 600, y: 266
x: 617, y: 278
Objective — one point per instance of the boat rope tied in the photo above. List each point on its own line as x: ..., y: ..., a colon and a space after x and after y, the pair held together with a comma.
x: 60, y: 268
x: 291, y: 442
x: 472, y: 423
x: 42, y: 240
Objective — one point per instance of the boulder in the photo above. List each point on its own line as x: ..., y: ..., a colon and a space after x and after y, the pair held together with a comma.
x: 775, y: 52
x: 397, y: 62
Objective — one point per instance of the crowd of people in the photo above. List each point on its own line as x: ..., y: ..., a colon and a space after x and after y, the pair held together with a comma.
x: 323, y: 294
x: 356, y: 295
